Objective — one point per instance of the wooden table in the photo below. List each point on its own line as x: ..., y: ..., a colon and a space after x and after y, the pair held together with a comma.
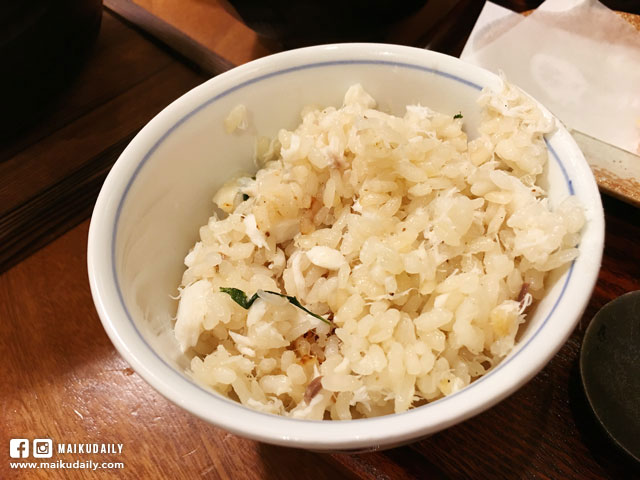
x: 62, y: 378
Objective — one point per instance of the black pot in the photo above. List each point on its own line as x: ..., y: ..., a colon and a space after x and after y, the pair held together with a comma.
x: 42, y: 45
x: 309, y: 22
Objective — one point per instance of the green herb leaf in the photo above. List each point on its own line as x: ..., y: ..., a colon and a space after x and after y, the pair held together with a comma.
x: 296, y: 302
x: 245, y: 197
x: 458, y: 115
x: 240, y: 298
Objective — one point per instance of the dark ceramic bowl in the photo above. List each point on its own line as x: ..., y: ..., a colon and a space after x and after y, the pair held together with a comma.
x: 42, y: 45
x: 309, y: 22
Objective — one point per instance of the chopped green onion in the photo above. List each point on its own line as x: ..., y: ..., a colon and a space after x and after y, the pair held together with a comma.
x: 458, y: 115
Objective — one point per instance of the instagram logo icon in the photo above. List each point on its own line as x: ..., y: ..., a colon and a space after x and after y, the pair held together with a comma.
x: 42, y: 448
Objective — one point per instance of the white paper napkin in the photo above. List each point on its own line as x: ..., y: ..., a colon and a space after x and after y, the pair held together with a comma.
x: 577, y: 57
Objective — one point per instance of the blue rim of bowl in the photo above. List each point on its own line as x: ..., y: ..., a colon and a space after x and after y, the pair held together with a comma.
x: 257, y: 79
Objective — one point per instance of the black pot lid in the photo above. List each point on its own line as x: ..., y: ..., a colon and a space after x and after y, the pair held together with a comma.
x: 610, y: 370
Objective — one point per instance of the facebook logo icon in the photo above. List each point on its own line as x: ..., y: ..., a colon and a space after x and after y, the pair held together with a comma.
x: 19, y: 448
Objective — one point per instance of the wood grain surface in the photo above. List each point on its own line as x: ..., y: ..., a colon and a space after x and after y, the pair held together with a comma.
x: 209, y: 22
x: 62, y: 378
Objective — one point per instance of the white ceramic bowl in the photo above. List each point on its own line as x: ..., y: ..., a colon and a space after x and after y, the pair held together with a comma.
x: 159, y: 193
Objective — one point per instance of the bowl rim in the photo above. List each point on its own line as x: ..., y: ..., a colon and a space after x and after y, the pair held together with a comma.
x: 480, y: 395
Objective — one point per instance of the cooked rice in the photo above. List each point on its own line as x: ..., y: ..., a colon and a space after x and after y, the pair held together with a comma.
x: 415, y: 243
